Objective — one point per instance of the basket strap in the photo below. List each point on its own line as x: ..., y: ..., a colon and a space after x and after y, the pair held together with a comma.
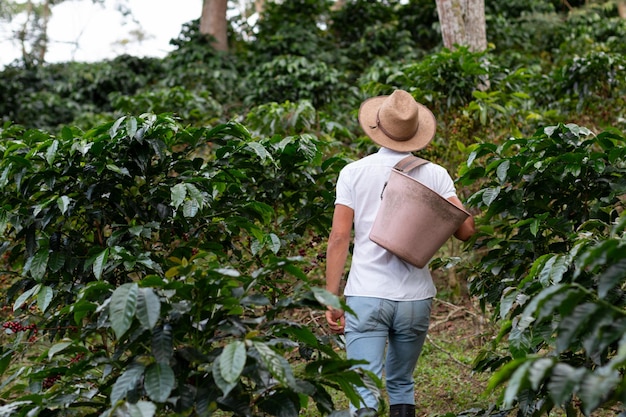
x: 409, y: 163
x: 406, y: 165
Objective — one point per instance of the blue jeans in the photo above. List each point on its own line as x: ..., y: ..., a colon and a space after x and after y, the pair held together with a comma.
x: 400, y: 328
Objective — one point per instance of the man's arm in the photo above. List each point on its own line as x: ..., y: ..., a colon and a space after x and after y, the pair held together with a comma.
x: 336, y: 256
x: 467, y: 228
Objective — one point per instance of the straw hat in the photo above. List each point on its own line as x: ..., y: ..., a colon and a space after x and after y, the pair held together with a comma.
x: 397, y: 122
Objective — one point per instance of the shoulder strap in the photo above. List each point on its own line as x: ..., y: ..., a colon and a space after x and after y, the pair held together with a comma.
x: 406, y: 165
x: 409, y: 163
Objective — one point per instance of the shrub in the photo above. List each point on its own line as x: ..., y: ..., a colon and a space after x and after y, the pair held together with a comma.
x: 153, y: 272
x: 590, y: 80
x: 292, y: 78
x: 551, y: 240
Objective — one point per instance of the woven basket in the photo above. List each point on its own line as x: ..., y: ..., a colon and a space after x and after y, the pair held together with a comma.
x: 413, y: 221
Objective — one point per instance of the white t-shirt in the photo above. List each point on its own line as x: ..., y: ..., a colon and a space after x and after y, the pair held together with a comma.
x: 374, y: 271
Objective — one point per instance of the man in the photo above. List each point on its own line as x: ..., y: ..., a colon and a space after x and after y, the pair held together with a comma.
x: 391, y: 298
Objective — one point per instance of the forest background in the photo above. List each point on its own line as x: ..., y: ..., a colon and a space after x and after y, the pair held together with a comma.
x: 163, y: 220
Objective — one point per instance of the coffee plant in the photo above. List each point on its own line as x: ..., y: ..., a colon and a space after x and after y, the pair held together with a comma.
x: 151, y: 270
x: 552, y: 267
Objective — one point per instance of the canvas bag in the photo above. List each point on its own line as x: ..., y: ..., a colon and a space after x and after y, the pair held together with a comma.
x: 413, y: 221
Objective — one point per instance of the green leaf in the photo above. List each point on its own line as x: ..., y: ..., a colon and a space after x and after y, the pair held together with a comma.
x: 162, y: 343
x: 295, y: 271
x: 118, y: 170
x: 538, y: 371
x: 509, y: 295
x: 265, y: 211
x: 5, y: 359
x: 51, y: 152
x: 563, y: 382
x: 81, y: 146
x: 601, y: 333
x: 490, y: 195
x: 517, y: 383
x: 159, y: 382
x: 178, y: 194
x: 196, y: 195
x: 25, y: 296
x: 302, y: 334
x: 116, y: 125
x: 326, y: 298
x: 58, y: 347
x: 67, y: 134
x: 276, y: 364
x: 255, y: 300
x: 138, y: 409
x: 571, y: 325
x: 44, y: 298
x: 100, y: 263
x: 502, y: 170
x: 126, y: 382
x: 131, y: 126
x: 537, y: 266
x: 56, y: 261
x: 503, y: 374
x: 122, y: 308
x: 191, y: 208
x: 260, y: 150
x: 39, y: 264
x: 148, y: 308
x: 273, y: 242
x: 614, y: 274
x: 255, y: 247
x: 560, y: 302
x: 595, y: 386
x: 232, y: 361
x: 81, y: 309
x: 534, y: 226
x: 530, y: 312
x: 225, y: 386
x: 284, y: 403
x: 553, y: 270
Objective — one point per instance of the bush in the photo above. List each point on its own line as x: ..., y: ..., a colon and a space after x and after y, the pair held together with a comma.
x: 50, y: 96
x: 292, y: 78
x: 590, y: 80
x: 552, y: 266
x: 154, y: 272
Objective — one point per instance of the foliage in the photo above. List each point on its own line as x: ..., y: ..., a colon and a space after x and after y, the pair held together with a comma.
x: 352, y: 21
x: 190, y: 233
x: 444, y: 80
x: 291, y: 28
x: 293, y: 78
x: 161, y: 282
x: 363, y: 30
x: 598, y: 27
x: 420, y: 18
x: 49, y: 96
x: 517, y: 8
x: 194, y: 65
x: 197, y: 108
x: 591, y: 79
x: 552, y: 261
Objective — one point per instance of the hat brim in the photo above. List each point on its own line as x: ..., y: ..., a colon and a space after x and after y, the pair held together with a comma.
x: 425, y: 133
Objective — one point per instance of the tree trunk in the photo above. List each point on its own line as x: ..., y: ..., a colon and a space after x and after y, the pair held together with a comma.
x: 463, y: 23
x: 338, y: 5
x: 259, y: 6
x: 43, y: 37
x: 213, y: 22
x: 621, y: 9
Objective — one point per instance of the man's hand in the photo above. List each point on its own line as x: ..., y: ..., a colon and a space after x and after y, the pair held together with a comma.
x: 336, y: 320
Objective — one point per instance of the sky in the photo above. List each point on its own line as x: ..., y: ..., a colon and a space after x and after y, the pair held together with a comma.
x: 84, y: 32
